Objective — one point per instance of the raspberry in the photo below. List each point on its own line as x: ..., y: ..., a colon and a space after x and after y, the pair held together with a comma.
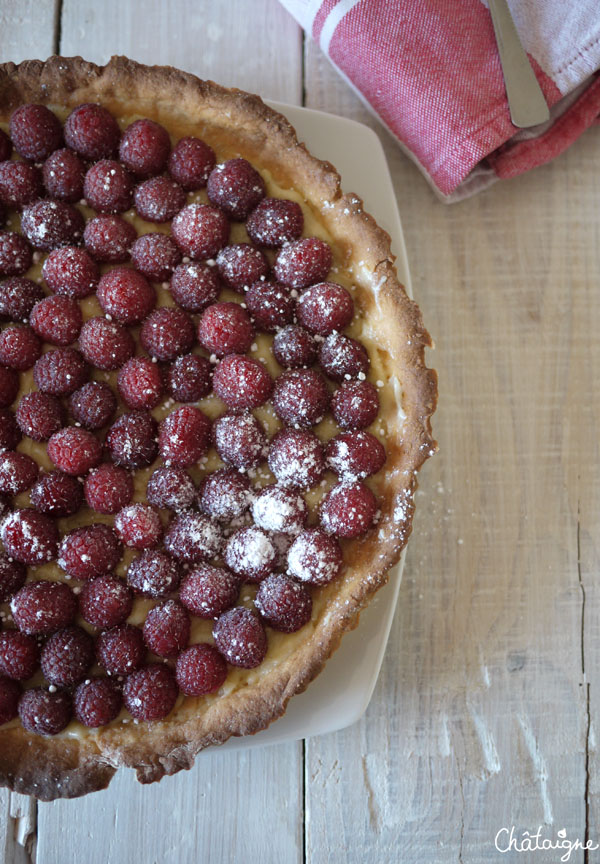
x: 18, y: 472
x: 209, y: 591
x: 151, y: 692
x: 138, y: 526
x: 105, y: 344
x: 29, y: 537
x: 159, y: 199
x: 275, y: 221
x: 60, y: 372
x: 41, y: 608
x: 48, y: 224
x: 131, y: 440
x: 140, y: 383
x: 167, y: 629
x: 45, y: 713
x: 15, y: 254
x: 324, y: 308
x: 284, y: 604
x: 12, y: 577
x: 105, y: 602
x: 109, y: 238
x: 171, y: 488
x: 108, y: 187
x: 271, y: 305
x: 225, y: 494
x: 9, y: 386
x: 296, y: 458
x: 189, y: 378
x: 74, y: 450
x: 19, y: 655
x: 280, y: 509
x: 93, y: 405
x: 303, y: 262
x: 301, y: 397
x: 18, y: 296
x: 35, y: 131
x: 348, y: 510
x: 236, y: 187
x: 67, y: 656
x: 2, y: 214
x: 19, y: 348
x: 184, y: 436
x: 225, y: 328
x: 343, y: 358
x: 156, y: 256
x: 240, y: 440
x: 71, y: 271
x: 10, y: 434
x: 92, y: 131
x: 20, y: 184
x: 57, y: 320
x: 240, y: 265
x: 39, y: 415
x: 240, y: 636
x: 63, y: 173
x: 10, y: 693
x: 154, y: 574
x: 57, y: 494
x: 90, y: 551
x: 250, y: 553
x: 145, y: 147
x: 126, y: 295
x: 193, y: 537
x: 315, y: 557
x: 242, y: 382
x: 108, y: 488
x: 5, y: 146
x: 353, y: 455
x: 121, y: 650
x: 167, y: 333
x: 194, y: 286
x: 190, y: 163
x: 200, y: 669
x: 97, y: 702
x: 200, y: 230
x: 355, y: 405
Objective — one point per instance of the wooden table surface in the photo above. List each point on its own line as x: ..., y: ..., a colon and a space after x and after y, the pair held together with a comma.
x: 485, y: 712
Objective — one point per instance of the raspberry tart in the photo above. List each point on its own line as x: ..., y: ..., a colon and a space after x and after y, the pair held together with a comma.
x: 213, y: 404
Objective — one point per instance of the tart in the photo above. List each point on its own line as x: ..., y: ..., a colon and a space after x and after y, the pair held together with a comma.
x: 214, y: 407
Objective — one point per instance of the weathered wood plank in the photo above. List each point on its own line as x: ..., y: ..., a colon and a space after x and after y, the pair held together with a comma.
x: 479, y: 720
x: 28, y: 29
x: 237, y: 806
x: 257, y: 48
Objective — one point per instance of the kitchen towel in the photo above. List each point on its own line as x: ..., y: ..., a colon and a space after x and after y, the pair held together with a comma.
x: 430, y: 70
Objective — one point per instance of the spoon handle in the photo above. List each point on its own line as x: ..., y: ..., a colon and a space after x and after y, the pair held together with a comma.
x: 526, y: 101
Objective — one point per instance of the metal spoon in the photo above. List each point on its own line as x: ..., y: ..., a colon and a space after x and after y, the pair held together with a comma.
x: 526, y: 101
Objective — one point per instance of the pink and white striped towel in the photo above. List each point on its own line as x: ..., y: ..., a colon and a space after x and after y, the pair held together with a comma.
x: 430, y: 70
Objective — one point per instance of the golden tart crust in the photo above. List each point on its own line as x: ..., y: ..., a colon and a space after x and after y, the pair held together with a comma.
x: 236, y: 123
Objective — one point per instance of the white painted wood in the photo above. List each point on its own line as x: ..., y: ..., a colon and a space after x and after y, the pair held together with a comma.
x: 255, y: 46
x: 27, y: 29
x: 243, y: 806
x: 480, y: 717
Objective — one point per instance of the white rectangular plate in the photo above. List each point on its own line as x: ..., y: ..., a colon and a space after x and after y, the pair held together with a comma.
x: 341, y: 693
